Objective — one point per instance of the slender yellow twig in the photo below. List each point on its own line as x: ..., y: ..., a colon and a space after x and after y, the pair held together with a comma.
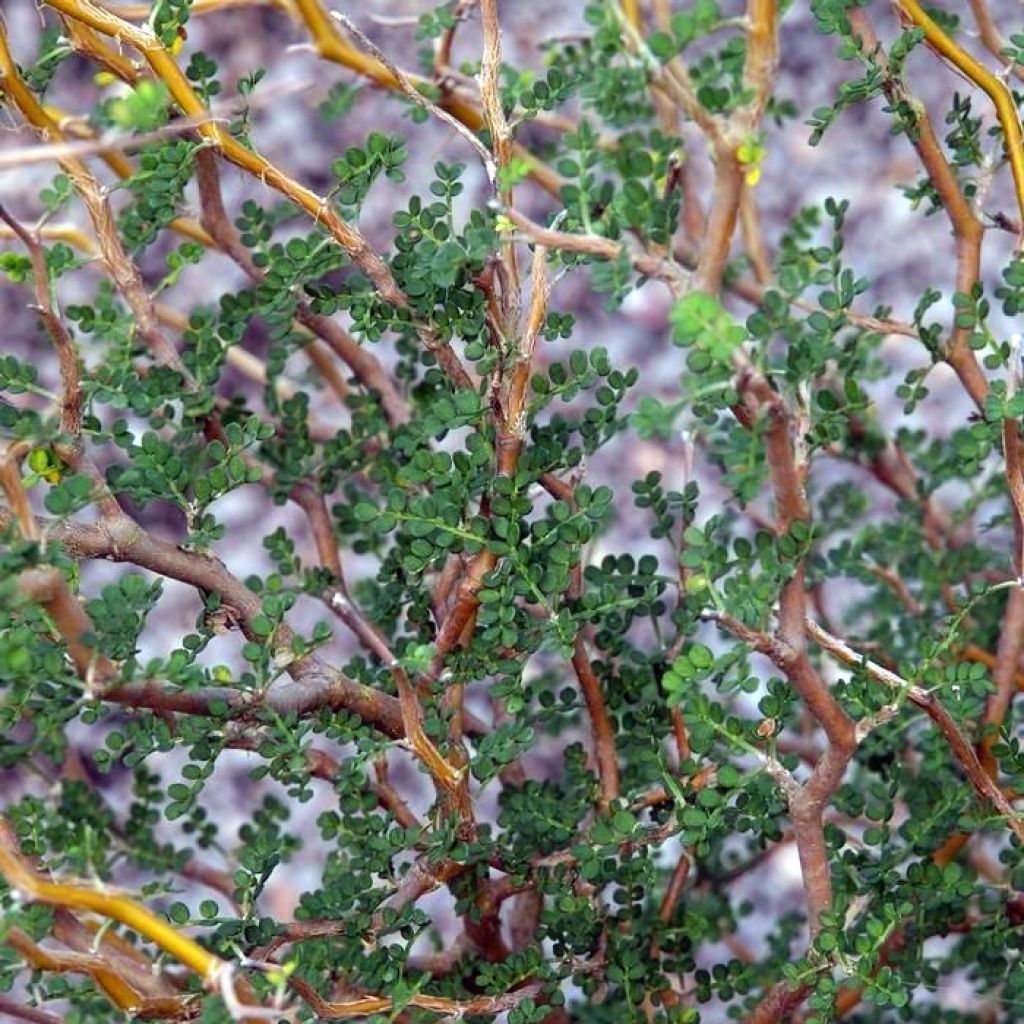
x: 166, y: 68
x: 631, y: 9
x: 992, y: 85
x: 119, y: 908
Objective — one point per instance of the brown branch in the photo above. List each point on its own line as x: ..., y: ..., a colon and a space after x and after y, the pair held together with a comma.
x: 986, y: 788
x: 1004, y: 676
x: 443, y: 50
x: 312, y: 684
x: 388, y: 797
x: 758, y: 75
x: 48, y: 587
x: 14, y: 490
x: 510, y: 434
x: 787, y: 650
x: 29, y: 1013
x: 724, y: 137
x: 141, y: 11
x: 600, y: 723
x: 779, y: 1003
x: 753, y: 239
x: 1011, y: 630
x: 605, y: 752
x: 899, y: 588
x: 721, y: 222
x: 67, y: 357
x: 597, y: 245
x: 366, y: 367
x: 348, y: 237
x: 322, y: 766
x: 673, y: 80
x: 807, y: 803
x: 70, y: 451
x: 339, y: 601
x: 991, y: 37
x: 107, y: 147
x: 968, y: 230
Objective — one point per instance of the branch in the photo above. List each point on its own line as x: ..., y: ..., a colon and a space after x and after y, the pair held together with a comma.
x: 348, y: 237
x: 968, y: 231
x: 962, y: 749
x: 406, y: 86
x: 239, y: 358
x: 605, y: 248
x: 23, y: 878
x: 123, y: 272
x: 365, y: 1006
x: 364, y: 365
x: 994, y: 87
x: 117, y: 989
x: 29, y: 1013
x: 332, y: 46
x: 1011, y: 630
x: 787, y: 648
x: 313, y: 683
x: 758, y: 75
x: 991, y: 37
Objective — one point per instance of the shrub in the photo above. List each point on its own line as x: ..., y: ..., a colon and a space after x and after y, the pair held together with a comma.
x: 401, y: 700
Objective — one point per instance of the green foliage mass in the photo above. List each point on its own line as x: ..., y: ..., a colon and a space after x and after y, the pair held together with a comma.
x: 650, y: 602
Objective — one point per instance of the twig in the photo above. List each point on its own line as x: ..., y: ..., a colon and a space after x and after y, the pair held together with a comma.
x: 991, y: 36
x: 965, y: 754
x: 410, y: 90
x: 605, y: 248
x: 313, y: 683
x: 443, y: 50
x: 364, y: 365
x: 968, y: 230
x: 29, y: 1013
x: 23, y: 156
x: 331, y: 46
x: 67, y: 357
x: 348, y: 237
x: 993, y: 86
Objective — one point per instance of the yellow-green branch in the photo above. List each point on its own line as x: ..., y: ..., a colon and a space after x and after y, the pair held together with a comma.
x: 994, y: 87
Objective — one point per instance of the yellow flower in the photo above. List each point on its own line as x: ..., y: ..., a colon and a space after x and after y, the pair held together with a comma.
x: 746, y: 153
x: 696, y: 583
x: 750, y: 153
x: 45, y: 464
